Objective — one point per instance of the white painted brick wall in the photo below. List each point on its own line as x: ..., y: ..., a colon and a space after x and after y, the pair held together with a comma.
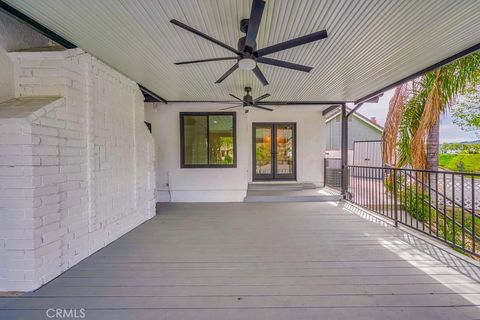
x: 75, y: 175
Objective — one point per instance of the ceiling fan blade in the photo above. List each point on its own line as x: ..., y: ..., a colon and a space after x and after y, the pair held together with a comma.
x: 204, y: 36
x: 257, y: 106
x: 231, y: 107
x: 293, y: 43
x: 260, y: 76
x: 254, y: 23
x: 266, y: 95
x: 206, y: 60
x: 284, y: 64
x: 231, y: 95
x: 226, y: 74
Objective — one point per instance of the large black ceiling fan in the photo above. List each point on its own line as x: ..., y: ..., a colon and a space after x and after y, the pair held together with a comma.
x: 247, y: 55
x: 248, y: 101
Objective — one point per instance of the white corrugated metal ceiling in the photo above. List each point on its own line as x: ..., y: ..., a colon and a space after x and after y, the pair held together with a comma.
x: 371, y: 43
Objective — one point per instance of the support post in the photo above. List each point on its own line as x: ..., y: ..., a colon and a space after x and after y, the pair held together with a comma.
x: 344, y: 150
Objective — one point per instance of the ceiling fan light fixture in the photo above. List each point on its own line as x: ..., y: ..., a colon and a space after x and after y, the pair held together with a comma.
x: 247, y: 64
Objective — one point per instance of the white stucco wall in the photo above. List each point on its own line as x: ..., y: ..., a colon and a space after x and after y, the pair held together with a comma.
x: 75, y: 174
x: 229, y: 184
x: 193, y: 184
x: 310, y: 138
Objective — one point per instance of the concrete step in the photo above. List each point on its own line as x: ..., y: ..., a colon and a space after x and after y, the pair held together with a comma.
x: 280, y: 186
x: 321, y: 198
x: 305, y: 195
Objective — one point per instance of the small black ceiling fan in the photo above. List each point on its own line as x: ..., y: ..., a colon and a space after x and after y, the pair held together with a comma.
x: 248, y: 101
x: 247, y: 54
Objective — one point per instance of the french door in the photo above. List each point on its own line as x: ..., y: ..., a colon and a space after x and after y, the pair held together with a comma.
x: 274, y: 151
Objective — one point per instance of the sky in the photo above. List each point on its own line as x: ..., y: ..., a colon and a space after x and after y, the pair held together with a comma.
x: 449, y: 132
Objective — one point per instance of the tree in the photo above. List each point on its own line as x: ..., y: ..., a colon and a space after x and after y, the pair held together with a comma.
x: 412, y: 127
x: 466, y: 113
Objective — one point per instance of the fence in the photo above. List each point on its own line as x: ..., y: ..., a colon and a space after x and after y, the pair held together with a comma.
x: 441, y: 204
x: 367, y: 153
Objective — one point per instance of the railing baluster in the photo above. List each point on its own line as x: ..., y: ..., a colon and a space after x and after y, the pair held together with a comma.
x: 429, y: 204
x: 423, y: 202
x: 374, y: 189
x: 474, y: 235
x: 416, y: 198
x: 355, y: 181
x: 436, y: 203
x: 360, y: 190
x: 411, y: 199
x: 406, y: 196
x: 445, y: 207
x: 362, y: 187
x: 400, y: 193
x: 453, y: 208
x: 370, y: 189
x: 463, y: 211
x: 395, y: 196
x: 389, y: 197
x: 378, y: 176
x: 392, y: 202
x: 382, y: 195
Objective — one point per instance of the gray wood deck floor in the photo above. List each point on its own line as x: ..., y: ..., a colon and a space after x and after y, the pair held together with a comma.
x: 256, y: 261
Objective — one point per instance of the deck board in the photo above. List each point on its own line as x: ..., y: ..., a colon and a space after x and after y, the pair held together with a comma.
x: 255, y: 261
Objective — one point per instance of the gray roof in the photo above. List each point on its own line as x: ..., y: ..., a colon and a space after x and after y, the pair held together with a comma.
x: 332, y: 115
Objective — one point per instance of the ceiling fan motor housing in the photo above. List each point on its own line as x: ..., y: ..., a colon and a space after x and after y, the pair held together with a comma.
x: 241, y: 46
x: 247, y: 100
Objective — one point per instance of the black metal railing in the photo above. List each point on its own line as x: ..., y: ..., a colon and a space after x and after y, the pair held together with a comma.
x: 441, y: 204
x: 333, y: 172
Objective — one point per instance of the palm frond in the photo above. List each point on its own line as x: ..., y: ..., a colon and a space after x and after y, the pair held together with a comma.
x: 392, y: 125
x: 425, y: 98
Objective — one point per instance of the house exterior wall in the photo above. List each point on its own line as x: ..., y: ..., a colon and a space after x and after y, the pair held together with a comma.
x: 78, y: 173
x: 310, y: 142
x: 228, y: 184
x: 358, y: 130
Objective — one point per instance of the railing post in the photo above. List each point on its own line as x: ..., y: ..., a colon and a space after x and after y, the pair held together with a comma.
x: 344, y: 150
x: 325, y: 163
x: 395, y: 202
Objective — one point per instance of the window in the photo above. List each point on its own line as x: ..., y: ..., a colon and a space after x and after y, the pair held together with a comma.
x: 207, y: 140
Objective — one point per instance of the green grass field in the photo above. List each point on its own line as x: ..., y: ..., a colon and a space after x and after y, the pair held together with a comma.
x: 468, y: 162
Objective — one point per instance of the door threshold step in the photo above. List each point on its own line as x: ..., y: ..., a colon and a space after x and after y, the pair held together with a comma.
x: 256, y: 186
x: 293, y: 198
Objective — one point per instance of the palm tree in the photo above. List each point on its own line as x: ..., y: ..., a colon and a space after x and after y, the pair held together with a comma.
x: 411, y: 135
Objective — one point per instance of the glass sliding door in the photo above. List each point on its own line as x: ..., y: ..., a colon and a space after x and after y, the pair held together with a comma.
x: 274, y: 151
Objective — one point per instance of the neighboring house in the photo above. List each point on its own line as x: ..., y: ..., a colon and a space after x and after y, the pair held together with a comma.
x: 360, y: 128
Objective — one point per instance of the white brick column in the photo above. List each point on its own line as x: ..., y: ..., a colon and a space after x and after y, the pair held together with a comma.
x: 75, y: 165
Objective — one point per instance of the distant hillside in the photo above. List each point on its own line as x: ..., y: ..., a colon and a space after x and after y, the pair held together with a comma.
x: 464, y: 142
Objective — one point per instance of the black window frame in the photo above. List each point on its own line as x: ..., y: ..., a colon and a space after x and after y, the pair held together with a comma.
x: 182, y: 140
